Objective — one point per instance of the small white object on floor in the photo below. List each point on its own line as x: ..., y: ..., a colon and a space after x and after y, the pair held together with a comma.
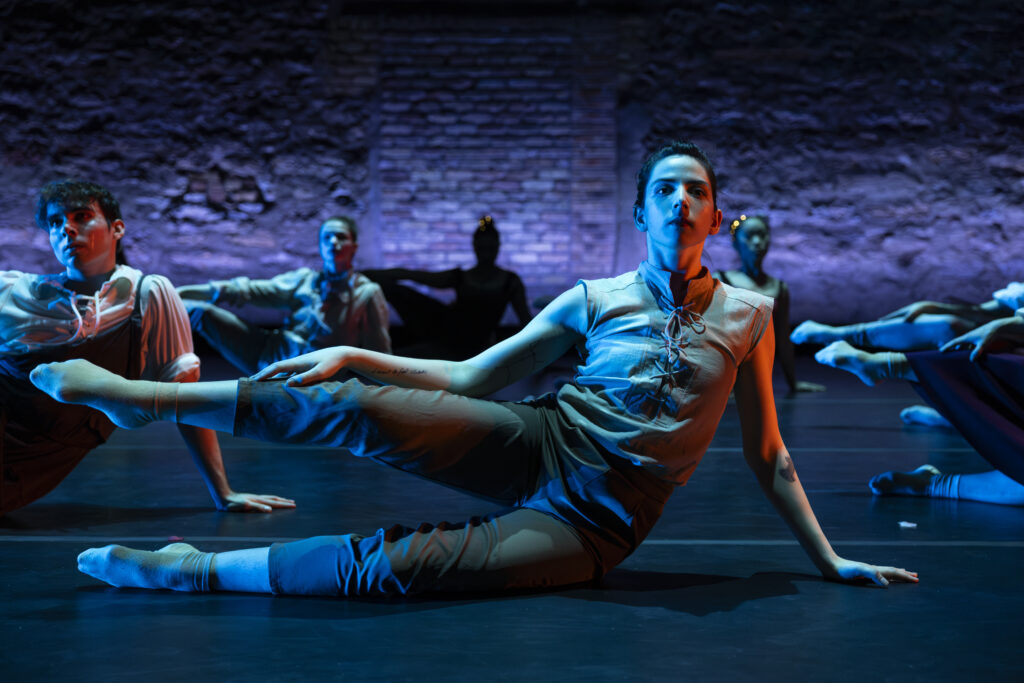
x: 908, y: 525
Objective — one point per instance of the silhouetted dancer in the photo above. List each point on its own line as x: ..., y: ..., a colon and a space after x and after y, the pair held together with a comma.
x: 470, y: 323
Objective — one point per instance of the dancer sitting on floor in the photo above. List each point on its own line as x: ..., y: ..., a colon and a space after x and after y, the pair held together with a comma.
x: 335, y: 306
x: 583, y: 475
x: 102, y: 310
x: 751, y: 238
x: 982, y: 396
x: 915, y: 327
x: 470, y: 323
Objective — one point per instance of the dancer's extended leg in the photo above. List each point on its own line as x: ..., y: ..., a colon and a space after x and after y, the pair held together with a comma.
x: 134, y: 403
x: 986, y: 487
x: 521, y: 549
x: 177, y: 566
x: 869, y: 367
x: 926, y: 332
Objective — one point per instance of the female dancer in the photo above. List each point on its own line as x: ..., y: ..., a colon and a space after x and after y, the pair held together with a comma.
x: 751, y: 237
x: 583, y: 475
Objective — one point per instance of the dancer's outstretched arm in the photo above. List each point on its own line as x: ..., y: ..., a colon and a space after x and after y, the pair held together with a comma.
x: 998, y: 335
x: 205, y: 450
x: 979, y: 313
x: 767, y: 457
x: 542, y: 341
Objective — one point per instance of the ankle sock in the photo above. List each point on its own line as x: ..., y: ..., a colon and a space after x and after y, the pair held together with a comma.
x: 944, y: 486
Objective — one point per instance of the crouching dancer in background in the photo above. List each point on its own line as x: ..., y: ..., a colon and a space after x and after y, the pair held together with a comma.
x: 101, y: 310
x: 334, y: 306
x: 582, y: 475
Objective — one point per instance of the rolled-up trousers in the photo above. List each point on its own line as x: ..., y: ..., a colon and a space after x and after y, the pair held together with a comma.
x: 568, y: 511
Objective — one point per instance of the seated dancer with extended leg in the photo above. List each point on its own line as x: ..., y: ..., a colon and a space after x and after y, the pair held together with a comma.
x: 915, y: 327
x: 335, y: 306
x: 980, y: 394
x: 104, y: 311
x: 583, y: 475
x: 751, y: 238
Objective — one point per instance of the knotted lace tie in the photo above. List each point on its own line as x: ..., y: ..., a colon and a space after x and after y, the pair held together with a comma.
x: 674, y: 339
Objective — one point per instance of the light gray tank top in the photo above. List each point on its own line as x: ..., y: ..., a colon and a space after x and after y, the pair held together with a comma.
x: 656, y: 368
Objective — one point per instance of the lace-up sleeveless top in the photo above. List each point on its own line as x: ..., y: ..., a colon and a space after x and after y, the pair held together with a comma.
x: 657, y: 368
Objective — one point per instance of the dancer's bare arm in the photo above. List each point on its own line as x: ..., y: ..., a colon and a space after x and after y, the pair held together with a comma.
x: 197, y: 292
x: 555, y: 329
x: 441, y: 279
x: 999, y: 335
x: 205, y: 450
x: 976, y: 312
x: 770, y: 462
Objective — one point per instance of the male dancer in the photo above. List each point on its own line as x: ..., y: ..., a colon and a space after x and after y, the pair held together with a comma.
x: 101, y: 310
x: 335, y: 306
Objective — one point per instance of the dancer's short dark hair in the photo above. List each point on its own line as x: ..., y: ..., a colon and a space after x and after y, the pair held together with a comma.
x: 671, y: 149
x: 349, y: 223
x: 73, y: 192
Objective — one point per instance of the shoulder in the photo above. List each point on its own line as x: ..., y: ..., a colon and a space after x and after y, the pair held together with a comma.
x: 298, y: 275
x: 744, y: 299
x: 568, y: 309
x: 10, y: 278
x: 150, y: 285
x: 626, y: 282
x: 157, y: 292
x: 364, y: 284
x: 724, y: 276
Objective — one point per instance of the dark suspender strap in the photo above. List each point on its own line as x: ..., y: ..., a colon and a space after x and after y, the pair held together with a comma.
x: 3, y: 433
x: 135, y: 333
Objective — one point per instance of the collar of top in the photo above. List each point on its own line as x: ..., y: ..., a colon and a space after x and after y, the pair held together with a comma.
x: 672, y: 291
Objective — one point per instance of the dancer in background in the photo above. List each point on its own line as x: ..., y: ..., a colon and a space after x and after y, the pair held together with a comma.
x: 334, y: 306
x: 99, y: 309
x: 470, y: 323
x: 751, y: 238
x: 981, y: 394
x: 916, y: 327
x: 581, y: 476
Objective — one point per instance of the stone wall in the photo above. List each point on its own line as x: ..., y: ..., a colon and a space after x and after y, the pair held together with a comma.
x: 884, y: 140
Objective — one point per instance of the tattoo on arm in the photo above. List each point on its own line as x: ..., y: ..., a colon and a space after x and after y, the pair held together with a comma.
x: 788, y: 470
x: 527, y: 357
x: 403, y: 371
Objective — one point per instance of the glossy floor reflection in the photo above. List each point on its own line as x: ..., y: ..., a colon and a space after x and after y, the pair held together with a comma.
x: 719, y: 592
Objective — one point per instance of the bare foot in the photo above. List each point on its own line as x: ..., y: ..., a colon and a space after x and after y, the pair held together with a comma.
x: 841, y: 355
x: 923, y: 415
x: 915, y: 483
x: 80, y: 382
x: 177, y: 566
x: 810, y: 332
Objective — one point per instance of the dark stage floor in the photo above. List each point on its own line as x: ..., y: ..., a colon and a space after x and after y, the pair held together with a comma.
x: 719, y: 592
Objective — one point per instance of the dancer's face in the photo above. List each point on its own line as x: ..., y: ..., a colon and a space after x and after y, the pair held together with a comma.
x: 337, y: 247
x: 82, y: 239
x: 679, y: 212
x: 752, y: 240
x: 486, y: 250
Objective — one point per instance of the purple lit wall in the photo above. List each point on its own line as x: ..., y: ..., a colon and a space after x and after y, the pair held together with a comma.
x: 885, y: 141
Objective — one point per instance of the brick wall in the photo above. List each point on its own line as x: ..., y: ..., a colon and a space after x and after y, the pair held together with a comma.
x: 884, y: 141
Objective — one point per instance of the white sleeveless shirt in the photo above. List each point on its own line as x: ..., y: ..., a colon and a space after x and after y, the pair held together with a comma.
x: 656, y: 370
